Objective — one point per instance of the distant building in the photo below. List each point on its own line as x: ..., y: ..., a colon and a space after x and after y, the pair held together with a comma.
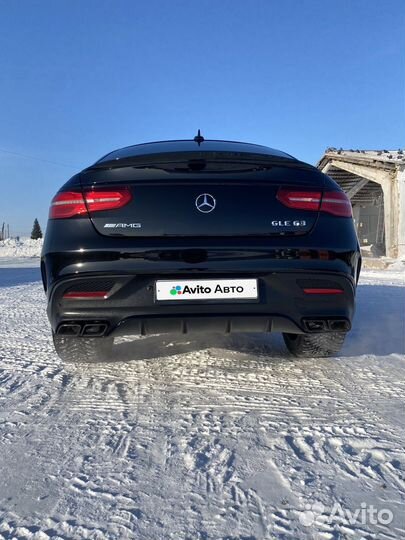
x: 375, y: 183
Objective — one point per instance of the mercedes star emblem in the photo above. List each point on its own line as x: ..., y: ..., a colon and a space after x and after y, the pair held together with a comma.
x: 205, y: 203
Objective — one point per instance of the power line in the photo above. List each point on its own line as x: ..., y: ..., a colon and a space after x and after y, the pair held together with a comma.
x: 38, y: 159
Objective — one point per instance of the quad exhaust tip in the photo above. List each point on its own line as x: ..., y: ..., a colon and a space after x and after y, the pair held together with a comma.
x: 69, y: 329
x: 326, y: 325
x: 86, y: 329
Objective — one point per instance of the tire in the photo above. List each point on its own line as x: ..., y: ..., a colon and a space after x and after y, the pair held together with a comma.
x: 314, y: 345
x: 81, y: 349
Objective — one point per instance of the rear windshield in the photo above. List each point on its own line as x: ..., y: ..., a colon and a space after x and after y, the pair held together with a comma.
x: 208, y: 150
x: 201, y: 162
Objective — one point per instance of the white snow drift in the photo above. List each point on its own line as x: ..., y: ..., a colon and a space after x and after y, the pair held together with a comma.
x: 24, y: 247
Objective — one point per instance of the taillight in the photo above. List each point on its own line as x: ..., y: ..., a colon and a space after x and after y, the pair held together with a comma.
x: 72, y: 203
x: 305, y: 200
x: 107, y: 200
x: 331, y: 202
x: 66, y: 205
x: 336, y: 203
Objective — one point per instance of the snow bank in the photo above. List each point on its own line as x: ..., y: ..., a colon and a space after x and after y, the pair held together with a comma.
x: 399, y: 265
x: 24, y: 247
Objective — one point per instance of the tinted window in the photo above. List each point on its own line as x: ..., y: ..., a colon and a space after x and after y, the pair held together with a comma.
x: 191, y: 146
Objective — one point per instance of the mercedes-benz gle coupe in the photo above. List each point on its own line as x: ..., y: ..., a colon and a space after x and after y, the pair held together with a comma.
x: 199, y: 235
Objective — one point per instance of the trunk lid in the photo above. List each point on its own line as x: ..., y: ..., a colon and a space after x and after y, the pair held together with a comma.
x: 182, y: 203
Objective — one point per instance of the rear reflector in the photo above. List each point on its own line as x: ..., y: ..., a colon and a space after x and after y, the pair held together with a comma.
x: 323, y: 291
x: 67, y: 204
x: 81, y: 295
x: 331, y: 202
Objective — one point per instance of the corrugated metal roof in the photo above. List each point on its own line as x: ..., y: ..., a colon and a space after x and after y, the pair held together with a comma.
x: 370, y: 157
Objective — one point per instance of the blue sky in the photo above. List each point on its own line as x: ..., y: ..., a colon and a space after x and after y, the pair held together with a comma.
x: 81, y: 77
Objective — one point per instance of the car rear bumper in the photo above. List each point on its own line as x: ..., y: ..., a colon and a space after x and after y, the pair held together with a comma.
x: 130, y: 307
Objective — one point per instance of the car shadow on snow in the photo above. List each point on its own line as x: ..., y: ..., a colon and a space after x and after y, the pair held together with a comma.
x: 161, y: 346
x: 378, y: 329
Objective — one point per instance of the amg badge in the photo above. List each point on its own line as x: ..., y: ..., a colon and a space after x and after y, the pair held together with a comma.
x: 123, y: 226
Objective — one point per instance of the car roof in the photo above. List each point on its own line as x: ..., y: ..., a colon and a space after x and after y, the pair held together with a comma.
x: 165, y: 147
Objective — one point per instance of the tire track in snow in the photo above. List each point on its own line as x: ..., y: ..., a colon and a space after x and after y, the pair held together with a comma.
x: 211, y: 438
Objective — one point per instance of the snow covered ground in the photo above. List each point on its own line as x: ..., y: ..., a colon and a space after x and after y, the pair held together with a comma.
x: 203, y: 439
x: 12, y: 248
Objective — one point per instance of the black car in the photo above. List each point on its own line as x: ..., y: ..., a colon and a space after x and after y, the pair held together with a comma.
x: 199, y: 235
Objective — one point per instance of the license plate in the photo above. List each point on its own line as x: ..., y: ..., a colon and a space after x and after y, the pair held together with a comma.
x: 206, y: 289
